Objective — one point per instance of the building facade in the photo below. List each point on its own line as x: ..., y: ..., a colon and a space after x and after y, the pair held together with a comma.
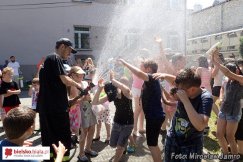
x: 222, y: 22
x: 29, y: 29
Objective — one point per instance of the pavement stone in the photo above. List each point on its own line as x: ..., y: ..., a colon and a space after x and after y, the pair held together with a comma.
x: 142, y: 153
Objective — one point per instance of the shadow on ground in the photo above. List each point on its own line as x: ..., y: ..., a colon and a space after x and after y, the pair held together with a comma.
x: 211, y: 144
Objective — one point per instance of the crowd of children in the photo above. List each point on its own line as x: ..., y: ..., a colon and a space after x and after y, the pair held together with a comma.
x: 182, y: 97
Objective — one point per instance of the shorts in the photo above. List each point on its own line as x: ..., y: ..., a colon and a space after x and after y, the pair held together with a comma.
x: 120, y: 134
x: 239, y: 134
x: 216, y: 91
x: 136, y: 92
x: 230, y: 117
x: 8, y: 108
x: 153, y: 127
x: 176, y: 153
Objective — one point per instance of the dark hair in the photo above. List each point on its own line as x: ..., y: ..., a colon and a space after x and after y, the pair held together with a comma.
x: 151, y: 64
x: 231, y: 66
x: 240, y: 61
x: 17, y: 121
x: 111, y: 91
x: 176, y: 57
x: 188, y: 78
x: 203, y: 62
x: 12, y: 57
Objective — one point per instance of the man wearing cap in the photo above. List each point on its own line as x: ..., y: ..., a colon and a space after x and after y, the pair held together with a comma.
x: 15, y: 65
x: 53, y: 101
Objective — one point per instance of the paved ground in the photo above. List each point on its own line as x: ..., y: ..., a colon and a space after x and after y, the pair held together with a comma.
x: 105, y: 152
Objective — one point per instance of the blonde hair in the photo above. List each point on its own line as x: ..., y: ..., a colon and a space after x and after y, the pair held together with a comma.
x: 35, y: 80
x: 89, y: 61
x: 7, y: 69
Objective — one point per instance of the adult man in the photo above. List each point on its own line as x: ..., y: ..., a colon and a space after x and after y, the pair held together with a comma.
x: 52, y: 100
x: 15, y: 65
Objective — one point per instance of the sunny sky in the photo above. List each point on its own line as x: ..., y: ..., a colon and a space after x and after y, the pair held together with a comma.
x: 204, y: 3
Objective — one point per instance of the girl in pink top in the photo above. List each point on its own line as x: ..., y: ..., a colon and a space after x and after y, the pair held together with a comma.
x: 204, y: 72
x: 136, y: 92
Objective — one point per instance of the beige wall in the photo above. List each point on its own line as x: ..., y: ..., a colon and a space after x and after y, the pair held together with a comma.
x: 223, y: 17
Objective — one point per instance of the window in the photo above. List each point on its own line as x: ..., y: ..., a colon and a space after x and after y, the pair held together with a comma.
x: 232, y: 35
x: 204, y: 40
x: 126, y: 2
x: 175, y: 4
x: 131, y: 40
x: 218, y: 37
x: 81, y: 37
x: 173, y: 42
x: 231, y: 48
x: 194, y: 42
x: 87, y: 1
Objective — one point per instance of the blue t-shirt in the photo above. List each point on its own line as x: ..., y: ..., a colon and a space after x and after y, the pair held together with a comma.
x: 151, y: 99
x: 182, y: 129
x: 5, y: 143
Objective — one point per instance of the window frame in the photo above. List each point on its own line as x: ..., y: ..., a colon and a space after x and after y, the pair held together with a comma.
x: 80, y: 33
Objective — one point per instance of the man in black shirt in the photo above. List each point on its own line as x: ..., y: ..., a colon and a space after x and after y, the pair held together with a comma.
x: 53, y: 101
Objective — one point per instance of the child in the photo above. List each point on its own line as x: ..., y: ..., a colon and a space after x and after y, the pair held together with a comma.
x: 138, y: 112
x: 123, y: 120
x: 151, y: 104
x: 17, y: 132
x: 185, y: 136
x: 77, y: 74
x: 18, y: 125
x: 204, y: 72
x: 88, y: 129
x: 33, y: 92
x: 103, y: 117
x: 230, y: 113
x: 9, y: 89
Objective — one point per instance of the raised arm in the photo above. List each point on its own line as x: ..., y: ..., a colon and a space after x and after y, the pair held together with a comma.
x: 163, y: 76
x: 165, y: 98
x: 215, y: 71
x: 124, y: 88
x: 97, y: 100
x: 136, y: 71
x: 225, y: 70
x: 167, y: 65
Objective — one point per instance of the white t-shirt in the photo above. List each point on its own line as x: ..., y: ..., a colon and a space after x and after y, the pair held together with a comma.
x: 218, y: 79
x: 15, y: 65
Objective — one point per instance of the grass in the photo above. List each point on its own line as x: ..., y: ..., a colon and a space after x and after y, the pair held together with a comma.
x: 211, y: 142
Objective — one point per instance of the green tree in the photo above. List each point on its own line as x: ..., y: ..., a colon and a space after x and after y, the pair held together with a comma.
x: 241, y: 46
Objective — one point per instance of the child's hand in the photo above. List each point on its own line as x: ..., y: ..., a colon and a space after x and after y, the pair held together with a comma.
x: 158, y: 40
x: 28, y: 143
x: 101, y: 83
x: 182, y: 96
x: 112, y: 75
x: 60, y: 150
x: 158, y: 76
x: 121, y: 61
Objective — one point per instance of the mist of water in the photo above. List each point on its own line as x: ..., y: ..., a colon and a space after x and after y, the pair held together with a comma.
x: 132, y: 31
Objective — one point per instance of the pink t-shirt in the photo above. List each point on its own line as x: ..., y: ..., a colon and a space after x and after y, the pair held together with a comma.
x: 206, y: 78
x: 137, y: 82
